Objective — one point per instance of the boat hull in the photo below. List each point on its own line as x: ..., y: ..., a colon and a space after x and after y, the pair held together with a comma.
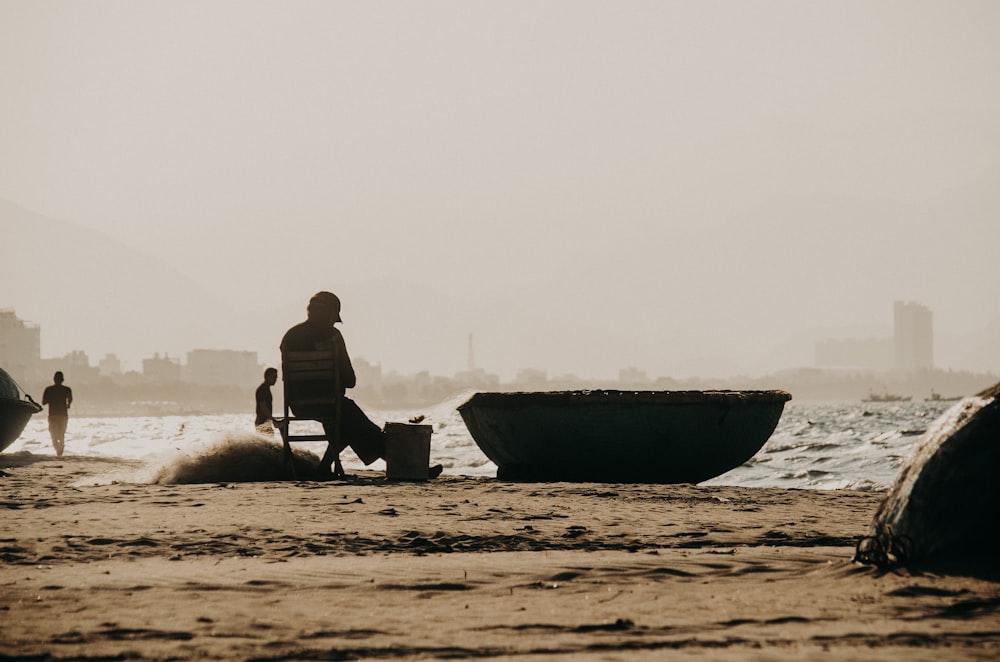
x: 621, y: 436
x: 942, y: 505
x: 14, y: 415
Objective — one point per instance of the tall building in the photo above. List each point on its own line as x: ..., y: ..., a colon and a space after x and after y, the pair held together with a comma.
x: 223, y: 367
x: 20, y: 347
x: 913, y: 337
x: 161, y: 370
x: 75, y: 365
x: 110, y: 365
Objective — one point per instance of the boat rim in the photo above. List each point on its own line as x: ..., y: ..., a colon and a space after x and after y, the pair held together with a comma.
x: 26, y: 404
x: 612, y: 396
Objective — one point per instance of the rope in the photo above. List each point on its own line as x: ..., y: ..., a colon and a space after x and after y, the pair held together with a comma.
x: 26, y: 394
x: 884, y: 549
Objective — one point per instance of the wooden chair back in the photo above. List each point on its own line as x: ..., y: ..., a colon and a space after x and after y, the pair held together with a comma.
x: 319, y: 372
x: 317, y: 369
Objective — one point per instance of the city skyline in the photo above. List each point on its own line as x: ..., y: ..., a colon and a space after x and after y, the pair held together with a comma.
x: 909, y: 349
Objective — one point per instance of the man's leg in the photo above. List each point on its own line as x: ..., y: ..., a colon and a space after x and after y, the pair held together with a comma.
x: 364, y: 437
x: 333, y: 450
x: 57, y: 430
x: 367, y: 439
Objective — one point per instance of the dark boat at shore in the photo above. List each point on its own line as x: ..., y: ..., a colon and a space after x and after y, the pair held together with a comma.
x: 15, y: 412
x: 621, y: 436
x: 941, y: 509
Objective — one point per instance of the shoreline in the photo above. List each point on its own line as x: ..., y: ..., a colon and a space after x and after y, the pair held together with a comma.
x: 456, y: 567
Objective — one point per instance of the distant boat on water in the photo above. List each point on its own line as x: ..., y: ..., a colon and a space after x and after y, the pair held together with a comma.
x: 937, y: 397
x: 621, y: 436
x: 886, y: 397
x: 15, y: 412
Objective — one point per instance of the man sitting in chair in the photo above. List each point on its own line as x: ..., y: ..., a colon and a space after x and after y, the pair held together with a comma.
x: 318, y: 333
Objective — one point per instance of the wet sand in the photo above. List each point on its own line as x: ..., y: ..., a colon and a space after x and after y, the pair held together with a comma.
x: 459, y: 567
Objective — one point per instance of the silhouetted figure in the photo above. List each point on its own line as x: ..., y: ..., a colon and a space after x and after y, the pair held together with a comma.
x: 318, y: 333
x: 265, y: 402
x: 58, y: 397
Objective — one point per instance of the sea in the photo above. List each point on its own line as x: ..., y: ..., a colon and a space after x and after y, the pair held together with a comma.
x: 816, y: 445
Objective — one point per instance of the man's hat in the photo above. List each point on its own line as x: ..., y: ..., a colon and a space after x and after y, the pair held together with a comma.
x: 327, y: 300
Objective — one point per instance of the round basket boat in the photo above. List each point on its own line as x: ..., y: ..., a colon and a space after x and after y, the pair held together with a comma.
x: 621, y: 436
x: 14, y: 412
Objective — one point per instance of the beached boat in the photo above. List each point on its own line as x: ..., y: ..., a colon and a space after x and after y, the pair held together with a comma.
x: 941, y: 506
x: 14, y: 411
x: 621, y: 436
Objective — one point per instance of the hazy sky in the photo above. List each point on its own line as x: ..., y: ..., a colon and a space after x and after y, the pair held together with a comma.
x: 690, y: 179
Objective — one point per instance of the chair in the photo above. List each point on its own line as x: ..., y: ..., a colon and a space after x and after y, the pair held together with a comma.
x: 318, y: 372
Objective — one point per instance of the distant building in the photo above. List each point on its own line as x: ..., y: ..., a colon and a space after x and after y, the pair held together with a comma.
x: 911, y: 347
x: 74, y: 365
x: 369, y: 375
x: 20, y: 347
x: 632, y: 376
x: 223, y: 367
x: 109, y: 366
x: 531, y: 376
x: 161, y: 369
x: 476, y: 378
x: 913, y: 336
x: 473, y: 377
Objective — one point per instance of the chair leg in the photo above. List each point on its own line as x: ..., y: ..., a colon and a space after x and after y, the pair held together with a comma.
x: 338, y: 469
x: 288, y: 456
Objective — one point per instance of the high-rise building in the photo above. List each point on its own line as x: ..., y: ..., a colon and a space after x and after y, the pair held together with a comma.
x: 20, y: 347
x: 75, y: 365
x: 223, y: 367
x: 110, y: 365
x: 161, y: 369
x: 913, y: 337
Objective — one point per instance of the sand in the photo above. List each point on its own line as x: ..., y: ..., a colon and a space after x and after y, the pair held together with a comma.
x: 460, y: 567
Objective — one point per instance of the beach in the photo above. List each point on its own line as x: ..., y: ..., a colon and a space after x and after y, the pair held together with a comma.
x: 95, y: 566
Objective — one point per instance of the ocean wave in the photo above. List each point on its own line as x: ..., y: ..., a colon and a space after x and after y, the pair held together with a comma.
x: 864, y: 485
x: 235, y: 458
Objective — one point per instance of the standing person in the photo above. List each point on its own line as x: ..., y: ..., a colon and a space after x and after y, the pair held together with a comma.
x: 265, y: 402
x: 318, y: 333
x: 58, y: 397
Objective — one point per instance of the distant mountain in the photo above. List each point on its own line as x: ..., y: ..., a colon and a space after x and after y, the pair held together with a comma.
x: 87, y: 291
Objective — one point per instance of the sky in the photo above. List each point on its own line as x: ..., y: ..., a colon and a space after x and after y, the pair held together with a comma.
x: 654, y: 184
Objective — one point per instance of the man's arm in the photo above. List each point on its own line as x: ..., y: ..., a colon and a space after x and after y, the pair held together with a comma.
x: 69, y: 397
x: 347, y: 377
x: 265, y: 404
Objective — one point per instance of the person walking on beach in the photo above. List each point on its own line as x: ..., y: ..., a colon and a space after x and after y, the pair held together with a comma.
x: 58, y: 397
x: 318, y: 333
x: 265, y: 402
